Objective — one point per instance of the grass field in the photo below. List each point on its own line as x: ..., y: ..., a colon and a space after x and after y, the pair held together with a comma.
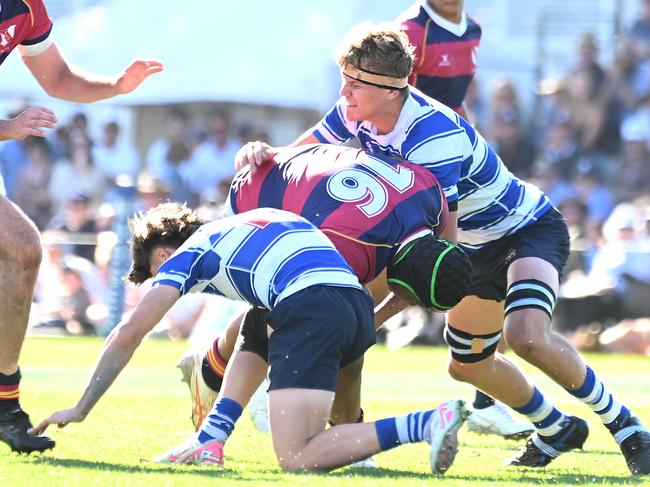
x: 147, y: 412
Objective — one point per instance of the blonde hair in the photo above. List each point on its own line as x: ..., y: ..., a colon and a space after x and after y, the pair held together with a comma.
x: 377, y: 48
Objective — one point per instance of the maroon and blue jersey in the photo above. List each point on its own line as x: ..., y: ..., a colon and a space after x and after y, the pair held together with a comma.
x: 366, y: 204
x: 445, y: 53
x: 25, y: 23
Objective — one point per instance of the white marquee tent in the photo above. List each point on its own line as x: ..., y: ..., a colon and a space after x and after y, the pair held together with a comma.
x: 259, y: 52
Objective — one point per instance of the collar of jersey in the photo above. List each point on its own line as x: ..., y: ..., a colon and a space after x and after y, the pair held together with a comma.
x: 456, y: 29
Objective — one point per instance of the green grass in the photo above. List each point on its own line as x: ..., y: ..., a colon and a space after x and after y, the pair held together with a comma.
x: 147, y: 411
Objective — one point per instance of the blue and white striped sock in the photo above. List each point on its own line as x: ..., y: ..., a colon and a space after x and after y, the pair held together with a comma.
x: 221, y: 421
x: 594, y: 394
x: 546, y: 418
x: 410, y: 428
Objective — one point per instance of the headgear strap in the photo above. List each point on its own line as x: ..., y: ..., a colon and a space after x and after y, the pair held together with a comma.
x: 378, y: 80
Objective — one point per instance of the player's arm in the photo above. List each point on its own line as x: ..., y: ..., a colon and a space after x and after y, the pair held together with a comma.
x: 62, y: 80
x: 118, y: 350
x: 332, y: 129
x: 30, y: 122
x: 450, y: 232
x: 257, y: 153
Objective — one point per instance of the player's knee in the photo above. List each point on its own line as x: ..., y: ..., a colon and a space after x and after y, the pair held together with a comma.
x: 294, y: 463
x: 28, y: 254
x: 23, y: 245
x: 529, y: 307
x: 469, y: 351
x: 525, y: 337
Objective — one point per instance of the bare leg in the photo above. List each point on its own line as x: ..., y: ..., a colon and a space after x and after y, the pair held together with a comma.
x: 20, y: 257
x: 495, y: 375
x: 529, y: 334
x: 228, y: 338
x: 298, y: 419
x: 347, y: 402
x: 244, y: 374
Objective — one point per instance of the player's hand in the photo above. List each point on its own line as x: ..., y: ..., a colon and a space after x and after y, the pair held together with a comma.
x: 253, y: 154
x: 61, y: 418
x: 136, y: 73
x: 30, y: 122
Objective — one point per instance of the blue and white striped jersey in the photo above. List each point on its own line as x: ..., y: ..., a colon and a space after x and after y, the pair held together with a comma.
x: 260, y: 256
x: 492, y: 202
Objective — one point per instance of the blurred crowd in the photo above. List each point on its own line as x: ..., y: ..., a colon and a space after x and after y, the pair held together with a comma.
x: 68, y: 184
x: 585, y: 142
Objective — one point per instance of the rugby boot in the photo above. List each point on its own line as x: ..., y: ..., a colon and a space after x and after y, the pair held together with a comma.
x: 636, y: 447
x: 13, y: 431
x: 203, y: 398
x: 498, y: 420
x: 194, y: 453
x: 539, y: 452
x: 442, y: 434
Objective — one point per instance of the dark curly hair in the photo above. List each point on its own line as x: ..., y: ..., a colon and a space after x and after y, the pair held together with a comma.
x: 165, y: 225
x: 437, y: 272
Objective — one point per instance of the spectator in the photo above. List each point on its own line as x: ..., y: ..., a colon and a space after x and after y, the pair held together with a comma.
x: 597, y: 197
x: 626, y: 252
x: 560, y: 148
x: 78, y: 175
x: 593, y: 116
x: 547, y: 177
x: 213, y: 160
x: 33, y: 182
x: 163, y: 162
x: 639, y: 32
x: 67, y: 286
x: 80, y: 226
x: 150, y: 192
x: 475, y: 106
x: 631, y: 177
x: 113, y: 159
x: 510, y: 140
x: 630, y: 77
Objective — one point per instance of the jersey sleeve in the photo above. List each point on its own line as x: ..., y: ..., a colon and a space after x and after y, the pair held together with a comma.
x: 39, y: 38
x: 334, y: 128
x: 176, y: 272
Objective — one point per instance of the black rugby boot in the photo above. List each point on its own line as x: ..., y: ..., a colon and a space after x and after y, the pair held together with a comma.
x: 636, y: 447
x: 13, y: 431
x: 539, y: 451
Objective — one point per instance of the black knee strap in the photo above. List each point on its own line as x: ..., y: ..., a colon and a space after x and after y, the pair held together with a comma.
x: 530, y: 293
x: 468, y: 348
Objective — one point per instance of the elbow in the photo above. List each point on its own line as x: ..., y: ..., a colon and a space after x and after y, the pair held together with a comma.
x: 126, y: 337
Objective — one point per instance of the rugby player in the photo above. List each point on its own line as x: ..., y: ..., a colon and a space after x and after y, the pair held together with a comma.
x: 319, y: 320
x: 25, y: 24
x: 517, y: 240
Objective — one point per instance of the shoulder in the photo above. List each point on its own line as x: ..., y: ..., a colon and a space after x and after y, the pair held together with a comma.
x: 414, y: 15
x: 474, y: 29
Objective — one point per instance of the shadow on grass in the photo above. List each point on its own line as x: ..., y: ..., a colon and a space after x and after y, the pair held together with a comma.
x: 145, y: 467
x: 553, y: 478
x: 533, y: 477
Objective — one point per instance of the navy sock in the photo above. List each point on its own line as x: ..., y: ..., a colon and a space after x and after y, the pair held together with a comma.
x: 482, y: 400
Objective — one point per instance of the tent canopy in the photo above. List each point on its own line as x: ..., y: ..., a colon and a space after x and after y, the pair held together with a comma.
x: 271, y: 53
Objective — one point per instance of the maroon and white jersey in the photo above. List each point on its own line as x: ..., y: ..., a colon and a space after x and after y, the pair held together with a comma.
x: 366, y: 204
x: 26, y: 25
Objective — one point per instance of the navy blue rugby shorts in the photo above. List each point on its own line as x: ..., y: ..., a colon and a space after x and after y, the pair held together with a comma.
x: 547, y: 238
